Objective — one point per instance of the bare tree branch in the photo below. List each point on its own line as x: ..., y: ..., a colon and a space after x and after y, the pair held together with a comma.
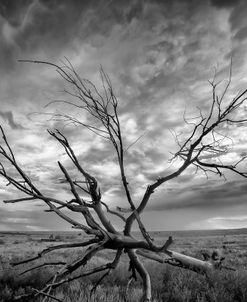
x: 203, y: 148
x: 56, y: 247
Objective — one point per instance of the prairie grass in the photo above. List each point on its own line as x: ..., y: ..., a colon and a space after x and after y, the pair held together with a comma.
x: 169, y: 283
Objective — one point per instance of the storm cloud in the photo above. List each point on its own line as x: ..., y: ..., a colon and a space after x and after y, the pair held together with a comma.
x: 159, y: 56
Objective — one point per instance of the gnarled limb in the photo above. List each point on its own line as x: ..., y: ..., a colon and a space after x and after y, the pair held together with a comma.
x: 146, y: 282
x: 203, y: 267
x: 43, y: 265
x: 58, y: 247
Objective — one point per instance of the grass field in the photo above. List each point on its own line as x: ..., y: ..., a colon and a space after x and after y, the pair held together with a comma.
x: 168, y: 283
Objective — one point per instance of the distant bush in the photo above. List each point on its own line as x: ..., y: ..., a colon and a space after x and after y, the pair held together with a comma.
x: 2, y: 241
x: 58, y: 238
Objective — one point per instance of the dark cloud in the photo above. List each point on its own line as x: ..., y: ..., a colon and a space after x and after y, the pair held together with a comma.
x: 9, y: 118
x: 237, y: 17
x: 204, y: 197
x: 46, y: 27
x: 25, y: 148
x: 238, y: 25
x: 98, y: 155
x: 225, y: 3
x: 33, y: 219
x: 241, y: 34
x: 159, y: 55
x: 14, y: 11
x: 49, y: 27
x: 8, y: 55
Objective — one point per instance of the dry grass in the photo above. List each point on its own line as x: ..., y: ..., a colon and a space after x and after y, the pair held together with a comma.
x: 169, y: 284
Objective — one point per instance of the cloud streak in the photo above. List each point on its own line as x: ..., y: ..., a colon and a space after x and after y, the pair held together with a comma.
x: 8, y: 117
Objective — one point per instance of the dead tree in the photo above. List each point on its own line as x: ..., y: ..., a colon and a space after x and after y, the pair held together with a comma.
x: 202, y: 149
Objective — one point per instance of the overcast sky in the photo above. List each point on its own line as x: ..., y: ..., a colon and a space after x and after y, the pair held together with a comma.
x: 159, y: 56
